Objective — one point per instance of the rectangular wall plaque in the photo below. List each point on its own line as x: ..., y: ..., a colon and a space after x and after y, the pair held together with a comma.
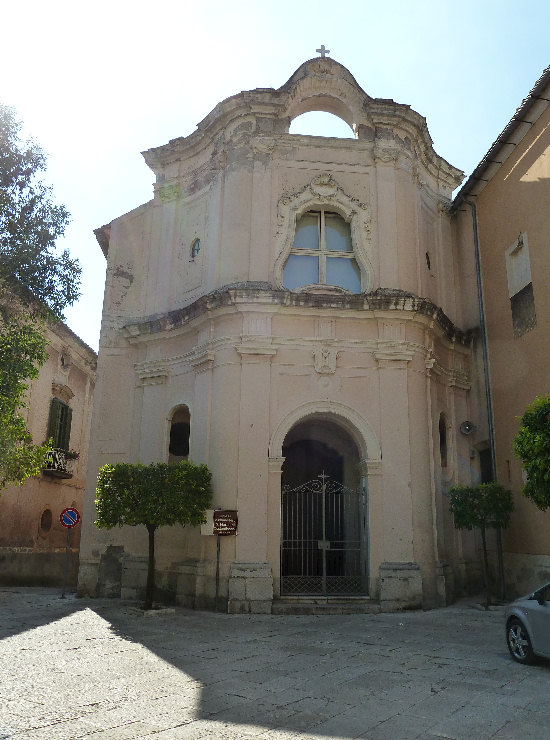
x: 225, y: 522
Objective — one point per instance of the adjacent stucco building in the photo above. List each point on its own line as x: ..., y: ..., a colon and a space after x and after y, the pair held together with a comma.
x: 508, y: 197
x: 298, y: 313
x: 59, y: 406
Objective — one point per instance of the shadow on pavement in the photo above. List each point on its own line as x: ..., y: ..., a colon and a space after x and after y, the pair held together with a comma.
x: 238, y: 675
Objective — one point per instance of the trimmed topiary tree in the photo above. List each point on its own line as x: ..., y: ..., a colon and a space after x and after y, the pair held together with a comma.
x: 155, y: 495
x: 487, y: 506
x: 532, y: 446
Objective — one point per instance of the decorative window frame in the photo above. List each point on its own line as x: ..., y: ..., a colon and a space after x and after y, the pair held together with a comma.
x: 323, y: 192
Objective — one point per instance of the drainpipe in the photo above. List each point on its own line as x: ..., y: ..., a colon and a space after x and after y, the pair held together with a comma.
x: 485, y: 353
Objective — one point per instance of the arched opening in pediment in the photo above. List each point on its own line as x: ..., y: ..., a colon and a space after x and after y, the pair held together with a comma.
x: 321, y: 123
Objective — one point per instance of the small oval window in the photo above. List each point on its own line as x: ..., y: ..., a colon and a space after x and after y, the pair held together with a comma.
x: 46, y: 521
x: 195, y: 248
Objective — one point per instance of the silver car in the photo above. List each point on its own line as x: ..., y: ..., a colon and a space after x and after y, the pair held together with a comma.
x: 528, y: 626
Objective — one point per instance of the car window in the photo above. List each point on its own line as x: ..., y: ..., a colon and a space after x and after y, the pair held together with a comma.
x: 545, y: 592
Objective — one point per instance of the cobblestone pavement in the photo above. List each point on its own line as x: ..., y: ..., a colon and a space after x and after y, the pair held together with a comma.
x: 83, y: 668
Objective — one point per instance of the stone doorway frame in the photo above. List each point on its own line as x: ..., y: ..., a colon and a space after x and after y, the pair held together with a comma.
x: 370, y: 457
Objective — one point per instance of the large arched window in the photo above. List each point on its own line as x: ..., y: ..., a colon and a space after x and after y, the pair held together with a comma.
x: 322, y: 253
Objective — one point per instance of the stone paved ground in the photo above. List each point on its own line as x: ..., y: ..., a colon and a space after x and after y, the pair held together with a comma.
x: 80, y: 668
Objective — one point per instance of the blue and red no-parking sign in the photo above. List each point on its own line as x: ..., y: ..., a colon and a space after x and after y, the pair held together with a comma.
x: 69, y: 517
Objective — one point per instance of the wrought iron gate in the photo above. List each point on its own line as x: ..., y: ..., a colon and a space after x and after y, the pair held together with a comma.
x: 323, y: 539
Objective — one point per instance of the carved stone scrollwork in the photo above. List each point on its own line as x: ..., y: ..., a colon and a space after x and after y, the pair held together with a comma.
x: 263, y: 144
x: 169, y: 191
x: 444, y: 206
x: 386, y: 154
x: 322, y: 66
x: 323, y: 185
x: 62, y: 391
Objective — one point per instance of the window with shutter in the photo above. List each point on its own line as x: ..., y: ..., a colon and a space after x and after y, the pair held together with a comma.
x: 59, y: 424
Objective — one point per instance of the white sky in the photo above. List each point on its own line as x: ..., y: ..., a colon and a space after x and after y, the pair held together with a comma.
x: 97, y: 83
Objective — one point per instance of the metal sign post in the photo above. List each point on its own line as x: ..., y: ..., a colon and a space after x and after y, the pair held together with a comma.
x: 69, y: 518
x: 224, y: 523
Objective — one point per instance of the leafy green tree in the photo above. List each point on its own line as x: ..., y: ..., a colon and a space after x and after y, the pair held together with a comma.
x: 31, y: 223
x: 532, y: 446
x: 155, y: 495
x: 486, y: 506
x: 36, y: 284
x: 22, y: 351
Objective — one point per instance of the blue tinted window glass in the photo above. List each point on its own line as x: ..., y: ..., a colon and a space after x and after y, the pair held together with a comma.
x: 300, y: 270
x: 344, y: 273
x: 337, y: 233
x: 307, y: 232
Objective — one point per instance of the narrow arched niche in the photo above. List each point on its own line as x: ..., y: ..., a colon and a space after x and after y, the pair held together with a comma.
x: 180, y: 428
x: 321, y: 123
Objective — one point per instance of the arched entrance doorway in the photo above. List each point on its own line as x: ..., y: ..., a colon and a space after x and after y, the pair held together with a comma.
x: 324, y: 517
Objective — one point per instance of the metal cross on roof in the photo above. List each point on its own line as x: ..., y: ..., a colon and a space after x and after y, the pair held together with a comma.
x: 322, y: 51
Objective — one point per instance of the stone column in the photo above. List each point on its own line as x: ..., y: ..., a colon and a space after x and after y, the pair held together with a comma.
x: 203, y: 364
x: 251, y: 579
x: 404, y: 588
x: 372, y: 539
x: 386, y: 156
x: 153, y: 439
x: 274, y: 520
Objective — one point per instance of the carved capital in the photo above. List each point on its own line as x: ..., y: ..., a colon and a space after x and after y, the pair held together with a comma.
x: 202, y: 359
x: 255, y: 346
x: 275, y: 465
x: 369, y: 467
x: 393, y: 359
x: 152, y: 373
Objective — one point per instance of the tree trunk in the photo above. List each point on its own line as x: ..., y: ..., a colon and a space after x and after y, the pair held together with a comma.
x: 485, y: 569
x: 150, y: 587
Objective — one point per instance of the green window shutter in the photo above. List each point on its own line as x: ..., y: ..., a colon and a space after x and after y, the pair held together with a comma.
x: 65, y: 432
x: 59, y: 424
x: 53, y: 421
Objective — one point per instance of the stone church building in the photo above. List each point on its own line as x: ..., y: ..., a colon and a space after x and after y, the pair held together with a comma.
x: 299, y: 313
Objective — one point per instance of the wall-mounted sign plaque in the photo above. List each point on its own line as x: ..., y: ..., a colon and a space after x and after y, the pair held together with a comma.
x: 225, y: 522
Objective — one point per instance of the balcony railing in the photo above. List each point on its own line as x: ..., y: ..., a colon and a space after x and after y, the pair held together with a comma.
x: 57, y: 465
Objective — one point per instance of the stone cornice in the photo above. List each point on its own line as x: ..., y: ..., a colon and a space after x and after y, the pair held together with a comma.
x: 381, y: 301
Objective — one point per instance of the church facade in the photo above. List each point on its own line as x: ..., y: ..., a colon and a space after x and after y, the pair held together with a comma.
x: 297, y: 313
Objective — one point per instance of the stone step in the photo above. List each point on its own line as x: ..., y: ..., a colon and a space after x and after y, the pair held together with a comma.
x: 324, y: 605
